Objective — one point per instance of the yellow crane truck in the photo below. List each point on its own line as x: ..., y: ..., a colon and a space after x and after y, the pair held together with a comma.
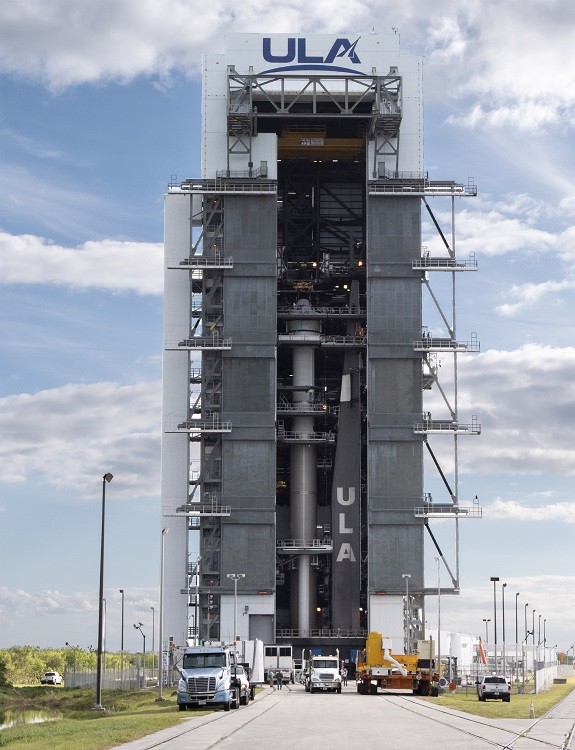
x: 378, y: 668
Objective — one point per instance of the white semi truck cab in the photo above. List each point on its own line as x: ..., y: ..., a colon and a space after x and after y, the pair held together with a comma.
x: 207, y: 678
x: 322, y: 673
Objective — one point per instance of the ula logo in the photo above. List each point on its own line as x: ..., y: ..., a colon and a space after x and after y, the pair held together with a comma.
x: 297, y: 53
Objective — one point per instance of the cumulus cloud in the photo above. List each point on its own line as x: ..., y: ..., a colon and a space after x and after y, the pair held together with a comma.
x: 525, y: 402
x: 105, y: 264
x: 515, y: 224
x: 526, y: 295
x: 65, y: 435
x: 70, y: 615
x: 72, y: 43
x: 512, y: 510
x: 504, y: 62
x: 553, y: 595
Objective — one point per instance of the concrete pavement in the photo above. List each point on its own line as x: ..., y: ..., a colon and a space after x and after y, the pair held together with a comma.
x: 292, y: 719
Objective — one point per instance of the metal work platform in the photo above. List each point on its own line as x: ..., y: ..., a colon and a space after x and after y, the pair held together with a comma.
x: 200, y: 262
x: 226, y: 186
x: 304, y: 546
x: 449, y: 510
x: 204, y: 511
x: 432, y: 344
x: 287, y: 436
x: 427, y: 263
x: 428, y: 425
x: 205, y: 342
x: 204, y: 426
x: 423, y: 187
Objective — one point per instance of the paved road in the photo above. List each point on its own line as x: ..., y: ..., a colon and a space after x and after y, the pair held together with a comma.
x: 292, y: 719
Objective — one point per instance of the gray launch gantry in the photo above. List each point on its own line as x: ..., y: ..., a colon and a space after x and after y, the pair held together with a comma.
x: 308, y: 364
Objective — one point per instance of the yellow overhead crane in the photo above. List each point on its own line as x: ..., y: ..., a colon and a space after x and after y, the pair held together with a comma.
x: 313, y: 143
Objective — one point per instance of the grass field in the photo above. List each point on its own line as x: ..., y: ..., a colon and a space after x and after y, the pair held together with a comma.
x: 518, y: 708
x: 127, y: 716
x: 130, y: 715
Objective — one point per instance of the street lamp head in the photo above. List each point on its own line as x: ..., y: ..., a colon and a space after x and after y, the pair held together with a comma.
x: 121, y: 591
x: 406, y: 575
x: 503, y: 585
x: 494, y: 578
x: 108, y: 477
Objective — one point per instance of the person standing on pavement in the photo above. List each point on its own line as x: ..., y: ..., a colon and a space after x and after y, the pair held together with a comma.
x: 279, y: 678
x: 344, y: 676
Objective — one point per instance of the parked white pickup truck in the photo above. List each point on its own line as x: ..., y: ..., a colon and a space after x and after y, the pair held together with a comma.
x: 494, y: 686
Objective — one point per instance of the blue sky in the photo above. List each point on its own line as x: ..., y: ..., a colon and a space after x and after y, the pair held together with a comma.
x: 99, y: 107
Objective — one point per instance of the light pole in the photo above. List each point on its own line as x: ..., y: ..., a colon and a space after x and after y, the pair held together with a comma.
x: 235, y: 577
x: 161, y: 623
x: 107, y: 478
x: 495, y: 579
x: 438, y: 561
x: 153, y: 637
x: 503, y: 627
x: 539, y: 630
x: 407, y: 576
x: 526, y: 631
x: 533, y: 627
x: 516, y: 640
x: 104, y: 635
x: 485, y: 620
x: 122, y: 643
x: 198, y: 601
x: 139, y: 627
x: 196, y: 573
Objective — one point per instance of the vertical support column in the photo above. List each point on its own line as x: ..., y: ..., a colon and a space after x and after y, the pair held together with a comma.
x: 395, y: 461
x: 303, y: 473
x: 176, y: 393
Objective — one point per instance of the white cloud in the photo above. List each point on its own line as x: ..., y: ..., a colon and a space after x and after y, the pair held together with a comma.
x: 552, y: 595
x: 529, y: 294
x: 75, y: 43
x: 72, y: 616
x: 507, y: 62
x: 64, y: 436
x: 104, y: 264
x: 514, y: 224
x: 525, y: 403
x: 512, y: 510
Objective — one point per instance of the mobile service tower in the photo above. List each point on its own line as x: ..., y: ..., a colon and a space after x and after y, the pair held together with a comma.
x: 295, y: 355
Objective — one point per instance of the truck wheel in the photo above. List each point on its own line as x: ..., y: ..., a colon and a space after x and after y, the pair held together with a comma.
x: 338, y: 690
x: 182, y: 706
x: 236, y: 700
x: 373, y: 689
x: 227, y: 706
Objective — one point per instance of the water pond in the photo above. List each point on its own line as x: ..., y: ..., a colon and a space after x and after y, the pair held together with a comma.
x: 9, y: 718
